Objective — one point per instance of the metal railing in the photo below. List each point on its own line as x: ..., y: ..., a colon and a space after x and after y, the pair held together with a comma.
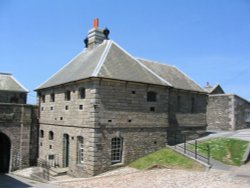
x: 193, y: 149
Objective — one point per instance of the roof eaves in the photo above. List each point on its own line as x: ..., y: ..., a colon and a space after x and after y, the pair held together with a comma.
x: 145, y: 67
x: 102, y: 59
x: 189, y: 78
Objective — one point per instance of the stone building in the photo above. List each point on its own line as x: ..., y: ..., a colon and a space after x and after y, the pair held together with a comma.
x: 18, y: 126
x: 226, y: 111
x: 106, y: 108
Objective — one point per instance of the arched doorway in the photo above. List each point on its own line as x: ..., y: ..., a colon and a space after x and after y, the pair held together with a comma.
x: 4, y: 153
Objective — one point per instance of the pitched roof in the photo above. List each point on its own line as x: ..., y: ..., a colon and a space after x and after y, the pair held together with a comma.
x: 9, y: 83
x: 109, y: 60
x: 217, y: 89
x: 173, y: 75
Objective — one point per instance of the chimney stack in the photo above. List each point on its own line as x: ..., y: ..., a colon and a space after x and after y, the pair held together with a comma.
x: 96, y: 35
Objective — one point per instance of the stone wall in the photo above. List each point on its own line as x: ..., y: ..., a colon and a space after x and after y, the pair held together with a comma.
x: 110, y: 108
x: 19, y: 123
x: 13, y: 97
x: 123, y: 111
x: 187, y: 115
x: 226, y: 112
x: 241, y: 107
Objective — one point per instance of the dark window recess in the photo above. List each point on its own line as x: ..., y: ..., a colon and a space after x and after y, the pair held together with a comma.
x: 13, y: 100
x: 129, y: 120
x: 51, y: 135
x: 109, y: 120
x: 81, y: 93
x: 51, y: 157
x: 66, y: 107
x: 43, y: 98
x: 155, y: 142
x: 51, y: 108
x: 52, y: 97
x: 152, y: 109
x: 50, y: 146
x: 151, y: 96
x: 61, y: 118
x: 116, y: 150
x: 192, y: 105
x: 133, y: 92
x: 67, y: 96
x: 80, y: 107
x: 41, y: 133
x: 178, y: 103
x: 41, y: 144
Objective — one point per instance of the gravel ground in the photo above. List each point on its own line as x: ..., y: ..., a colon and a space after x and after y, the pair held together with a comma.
x: 159, y: 178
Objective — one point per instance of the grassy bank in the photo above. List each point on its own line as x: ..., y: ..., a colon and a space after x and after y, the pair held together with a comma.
x: 166, y: 158
x: 227, y: 150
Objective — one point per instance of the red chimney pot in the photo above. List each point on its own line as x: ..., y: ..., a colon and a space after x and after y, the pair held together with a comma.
x: 96, y: 23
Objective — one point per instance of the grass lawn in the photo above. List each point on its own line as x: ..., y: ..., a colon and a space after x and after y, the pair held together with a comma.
x: 227, y: 150
x: 166, y: 158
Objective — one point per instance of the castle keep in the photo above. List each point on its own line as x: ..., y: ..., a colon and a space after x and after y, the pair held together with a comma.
x: 106, y: 108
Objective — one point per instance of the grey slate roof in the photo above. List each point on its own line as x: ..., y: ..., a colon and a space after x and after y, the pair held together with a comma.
x: 173, y: 75
x: 109, y: 60
x: 9, y: 83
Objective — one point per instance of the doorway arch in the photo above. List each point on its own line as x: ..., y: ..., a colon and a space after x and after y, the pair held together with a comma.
x: 4, y: 153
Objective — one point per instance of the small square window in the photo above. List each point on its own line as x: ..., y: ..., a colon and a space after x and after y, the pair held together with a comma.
x: 61, y: 118
x: 133, y: 92
x: 66, y: 107
x: 42, y: 108
x: 51, y: 108
x: 51, y: 157
x: 152, y: 109
x: 80, y: 107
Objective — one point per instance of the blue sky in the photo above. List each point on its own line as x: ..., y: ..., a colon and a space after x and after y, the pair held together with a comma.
x: 209, y: 40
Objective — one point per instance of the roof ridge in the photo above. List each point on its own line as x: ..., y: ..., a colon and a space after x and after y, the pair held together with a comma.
x: 142, y: 65
x: 102, y: 58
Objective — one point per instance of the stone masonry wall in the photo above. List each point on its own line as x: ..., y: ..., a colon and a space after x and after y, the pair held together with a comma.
x: 187, y: 115
x: 75, y: 117
x: 241, y: 107
x: 226, y: 112
x: 16, y: 121
x: 109, y: 108
x: 220, y: 112
x: 123, y: 111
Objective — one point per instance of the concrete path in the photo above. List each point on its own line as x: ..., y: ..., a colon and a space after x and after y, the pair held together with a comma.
x: 12, y: 181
